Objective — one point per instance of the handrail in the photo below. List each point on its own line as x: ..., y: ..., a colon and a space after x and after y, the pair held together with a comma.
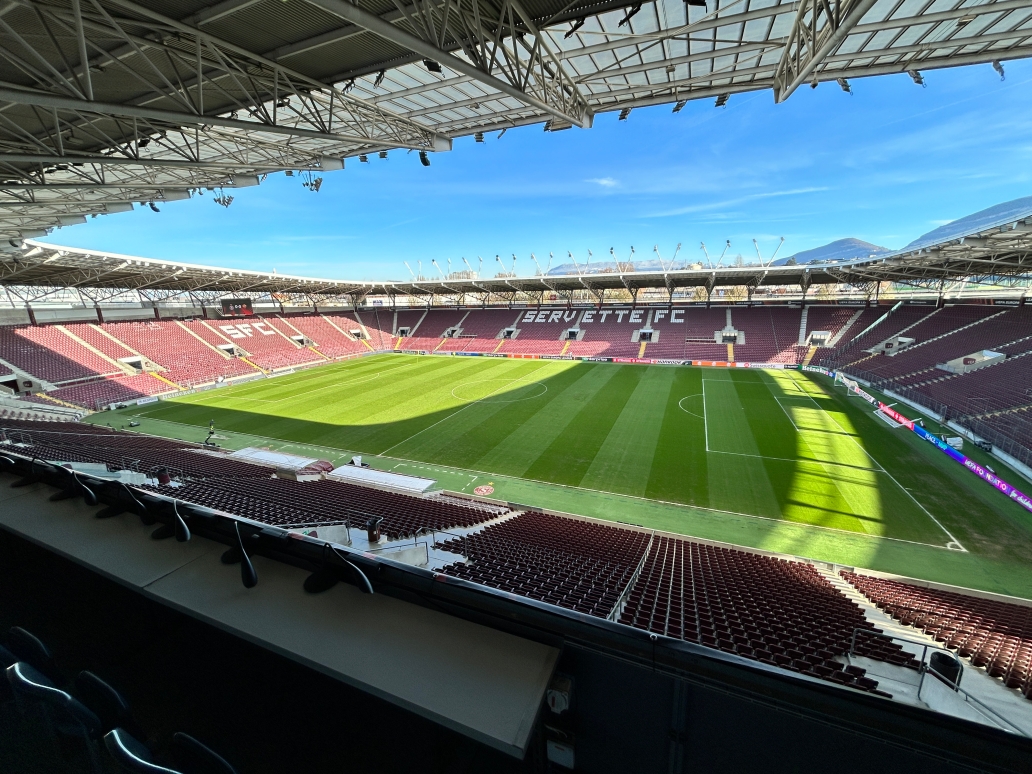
x: 633, y: 579
x: 926, y: 667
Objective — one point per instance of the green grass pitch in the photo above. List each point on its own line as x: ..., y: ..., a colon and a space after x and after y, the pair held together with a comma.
x: 772, y: 459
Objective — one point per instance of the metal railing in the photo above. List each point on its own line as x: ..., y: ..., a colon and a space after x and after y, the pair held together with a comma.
x: 927, y: 667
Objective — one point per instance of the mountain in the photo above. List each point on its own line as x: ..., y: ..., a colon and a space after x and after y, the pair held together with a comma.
x: 839, y: 250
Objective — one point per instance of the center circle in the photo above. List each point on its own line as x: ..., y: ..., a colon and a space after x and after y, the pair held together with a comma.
x: 493, y: 391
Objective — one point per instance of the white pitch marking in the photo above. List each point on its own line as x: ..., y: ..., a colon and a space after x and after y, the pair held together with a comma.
x: 686, y: 411
x: 954, y: 544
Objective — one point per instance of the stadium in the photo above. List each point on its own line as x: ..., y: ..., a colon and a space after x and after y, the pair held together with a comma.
x: 622, y: 516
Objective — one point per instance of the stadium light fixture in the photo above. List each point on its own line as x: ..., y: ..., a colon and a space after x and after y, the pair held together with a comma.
x: 363, y: 158
x: 383, y: 154
x: 424, y: 159
x: 679, y: 106
x: 432, y: 66
x: 998, y: 66
x: 722, y: 100
x: 379, y: 78
x: 576, y: 26
x: 478, y: 137
x: 624, y: 113
x: 153, y: 206
x: 844, y: 85
x: 917, y: 78
x: 630, y: 15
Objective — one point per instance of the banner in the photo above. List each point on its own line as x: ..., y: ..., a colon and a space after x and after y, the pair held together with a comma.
x: 1017, y: 496
x: 857, y: 390
x: 895, y: 415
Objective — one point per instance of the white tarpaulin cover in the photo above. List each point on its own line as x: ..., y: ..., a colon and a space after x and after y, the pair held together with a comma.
x: 382, y: 478
x: 279, y: 459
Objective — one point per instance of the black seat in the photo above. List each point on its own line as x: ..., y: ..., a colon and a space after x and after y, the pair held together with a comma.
x: 29, y: 684
x: 107, y: 703
x: 132, y: 755
x: 197, y: 758
x: 29, y: 648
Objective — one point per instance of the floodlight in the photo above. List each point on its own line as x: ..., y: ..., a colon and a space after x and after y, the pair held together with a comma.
x: 680, y: 104
x: 998, y: 66
x: 478, y: 137
x: 153, y: 206
x: 630, y: 14
x: 383, y: 154
x: 917, y: 77
x: 363, y: 158
x: 844, y: 85
x: 624, y: 113
x: 379, y: 78
x: 576, y: 26
x: 722, y: 100
x: 431, y: 65
x: 424, y: 159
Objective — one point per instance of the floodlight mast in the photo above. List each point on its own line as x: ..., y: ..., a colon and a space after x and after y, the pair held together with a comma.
x: 776, y: 251
x: 590, y: 256
x: 756, y: 245
x: 434, y: 262
x: 575, y: 265
x: 721, y: 260
x: 410, y: 271
x: 480, y: 266
x: 534, y: 258
x: 674, y: 259
x: 469, y: 267
x: 709, y: 261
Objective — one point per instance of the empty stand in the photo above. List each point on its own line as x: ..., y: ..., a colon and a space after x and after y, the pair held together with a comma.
x: 777, y: 611
x: 480, y: 330
x: 98, y: 394
x: 327, y: 339
x: 771, y: 334
x: 186, y: 360
x: 266, y: 341
x: 431, y: 330
x: 608, y: 334
x: 575, y: 564
x: 46, y: 352
x: 539, y: 331
x: 994, y: 635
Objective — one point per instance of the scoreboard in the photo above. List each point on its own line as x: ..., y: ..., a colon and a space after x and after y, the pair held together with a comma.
x: 237, y: 307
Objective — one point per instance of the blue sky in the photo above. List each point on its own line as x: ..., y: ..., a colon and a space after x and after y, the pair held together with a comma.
x: 886, y: 164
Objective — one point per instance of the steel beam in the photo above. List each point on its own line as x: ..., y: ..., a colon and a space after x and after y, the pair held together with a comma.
x: 580, y: 116
x: 818, y: 30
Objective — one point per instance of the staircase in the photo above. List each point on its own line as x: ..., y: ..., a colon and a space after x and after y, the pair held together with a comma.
x: 730, y: 348
x: 167, y: 381
x: 809, y: 355
x: 641, y: 349
x: 58, y: 401
x: 566, y: 346
x: 834, y: 340
x: 802, y: 326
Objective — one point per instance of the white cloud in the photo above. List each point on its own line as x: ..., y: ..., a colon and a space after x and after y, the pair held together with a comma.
x: 732, y: 202
x: 605, y: 182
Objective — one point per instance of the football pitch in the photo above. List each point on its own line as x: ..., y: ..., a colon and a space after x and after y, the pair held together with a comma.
x: 773, y: 459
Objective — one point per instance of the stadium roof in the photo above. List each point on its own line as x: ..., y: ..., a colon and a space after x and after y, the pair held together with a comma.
x: 104, y: 103
x: 991, y: 246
